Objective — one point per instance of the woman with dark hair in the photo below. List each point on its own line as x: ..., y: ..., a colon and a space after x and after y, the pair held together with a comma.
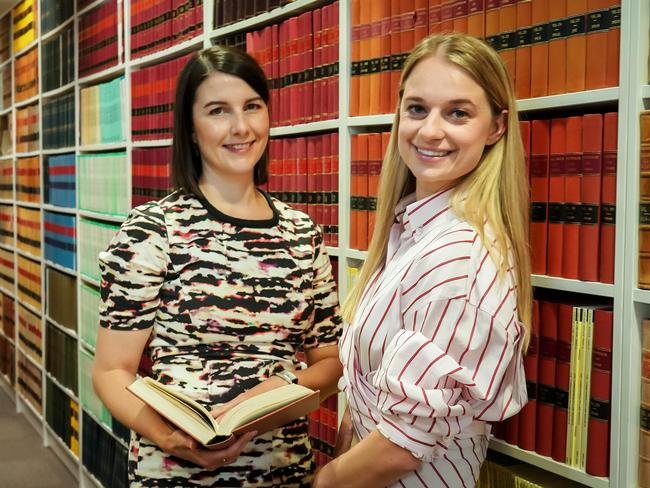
x: 220, y: 285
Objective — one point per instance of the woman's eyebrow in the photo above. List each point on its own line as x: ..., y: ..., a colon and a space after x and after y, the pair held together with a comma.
x: 221, y: 102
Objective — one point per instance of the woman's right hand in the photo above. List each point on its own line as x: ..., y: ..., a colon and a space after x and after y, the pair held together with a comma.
x: 181, y: 445
x: 345, y: 434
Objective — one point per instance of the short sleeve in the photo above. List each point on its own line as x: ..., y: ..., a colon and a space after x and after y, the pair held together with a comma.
x: 133, y: 269
x: 326, y: 324
x: 433, y: 384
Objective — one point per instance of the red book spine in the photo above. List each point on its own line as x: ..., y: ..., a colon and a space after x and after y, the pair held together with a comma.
x: 601, y: 384
x: 557, y: 165
x: 608, y: 197
x: 311, y: 178
x: 300, y: 201
x: 546, y: 378
x: 334, y: 187
x: 592, y: 167
x: 562, y: 369
x: 539, y: 194
x: 528, y: 415
x: 571, y: 232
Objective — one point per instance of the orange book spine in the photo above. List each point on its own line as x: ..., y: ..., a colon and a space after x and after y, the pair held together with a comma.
x: 492, y: 22
x: 434, y: 16
x: 362, y: 195
x: 522, y: 52
x: 385, y: 66
x: 571, y: 232
x: 460, y: 11
x: 613, y: 44
x: 539, y: 157
x: 590, y: 188
x: 355, y: 56
x: 421, y: 23
x: 576, y: 46
x: 539, y: 49
x: 476, y: 18
x: 365, y: 33
x: 556, y: 197
x: 557, y: 47
x: 596, y: 43
x: 375, y: 155
x: 355, y: 142
x: 447, y: 16
x: 374, y: 68
x: 608, y: 199
x: 395, y: 50
x: 508, y: 34
x: 407, y: 21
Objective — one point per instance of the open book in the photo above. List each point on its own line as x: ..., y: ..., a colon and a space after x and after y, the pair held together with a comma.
x: 263, y: 412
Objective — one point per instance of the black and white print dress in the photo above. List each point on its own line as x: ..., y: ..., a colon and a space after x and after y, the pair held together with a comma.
x: 229, y: 302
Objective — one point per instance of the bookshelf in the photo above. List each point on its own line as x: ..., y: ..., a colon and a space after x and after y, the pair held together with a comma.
x: 631, y: 304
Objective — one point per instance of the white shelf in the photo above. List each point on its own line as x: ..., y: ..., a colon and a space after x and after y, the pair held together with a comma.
x: 154, y: 143
x: 30, y: 101
x: 29, y: 255
x: 332, y: 251
x: 20, y: 203
x: 62, y: 387
x: 6, y: 111
x: 58, y: 267
x: 355, y: 254
x: 371, y: 120
x: 6, y: 156
x: 8, y: 293
x: 573, y: 100
x: 293, y: 8
x: 88, y: 347
x: 29, y: 357
x: 28, y: 154
x: 108, y: 146
x: 18, y: 54
x: 62, y: 328
x: 58, y: 150
x: 57, y: 30
x: 7, y: 247
x: 90, y: 280
x: 6, y: 61
x: 10, y: 339
x: 30, y: 308
x: 576, y: 286
x: 56, y: 208
x: 319, y: 126
x: 641, y: 296
x: 34, y: 418
x: 645, y: 91
x: 549, y: 464
x: 100, y: 216
x: 167, y: 54
x: 59, y: 91
x: 108, y: 73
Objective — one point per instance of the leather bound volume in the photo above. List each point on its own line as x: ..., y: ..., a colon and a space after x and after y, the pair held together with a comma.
x: 374, y: 67
x: 613, y: 56
x: 376, y: 151
x: 608, y: 199
x: 384, y: 68
x: 528, y: 415
x: 539, y: 60
x: 596, y: 40
x: 601, y: 391
x: 434, y: 16
x: 562, y: 369
x: 459, y: 15
x: 576, y: 46
x: 421, y: 20
x: 572, y: 195
x: 522, y: 52
x: 365, y: 33
x: 355, y: 56
x: 362, y: 192
x: 508, y: 34
x: 557, y: 164
x: 355, y: 142
x: 590, y: 188
x: 476, y: 18
x: 447, y: 16
x: 644, y: 203
x: 557, y: 47
x: 492, y: 23
x: 548, y: 327
x: 539, y: 158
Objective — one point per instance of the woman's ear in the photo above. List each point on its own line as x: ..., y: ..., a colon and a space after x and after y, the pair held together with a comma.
x: 499, y: 125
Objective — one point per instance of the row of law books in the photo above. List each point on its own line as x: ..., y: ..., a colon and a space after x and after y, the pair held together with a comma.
x: 101, y: 112
x: 26, y: 75
x: 62, y: 415
x: 103, y: 455
x: 644, y: 201
x: 54, y: 13
x: 29, y: 382
x: 7, y: 225
x: 303, y: 172
x: 322, y: 430
x: 367, y: 154
x: 7, y: 317
x: 8, y: 360
x: 61, y: 357
x: 500, y: 471
x: 229, y: 11
x: 24, y: 17
x: 568, y: 375
x: 300, y: 59
x: 27, y: 129
x: 159, y: 24
x: 6, y: 87
x: 151, y: 177
x: 98, y: 39
x: 58, y: 128
x: 57, y: 60
x: 152, y: 99
x: 28, y: 179
x: 6, y: 135
x: 7, y: 272
x: 30, y: 334
x: 28, y: 276
x: 103, y: 182
x: 556, y: 47
x: 5, y: 38
x: 572, y: 162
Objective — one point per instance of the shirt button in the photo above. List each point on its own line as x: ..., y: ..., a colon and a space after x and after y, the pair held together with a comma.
x: 418, y: 231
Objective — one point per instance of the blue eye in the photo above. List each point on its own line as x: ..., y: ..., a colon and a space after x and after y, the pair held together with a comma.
x: 459, y: 114
x: 416, y: 110
x: 216, y: 111
x: 253, y: 106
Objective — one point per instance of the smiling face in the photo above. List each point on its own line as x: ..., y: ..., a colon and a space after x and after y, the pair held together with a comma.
x: 230, y: 126
x: 445, y: 124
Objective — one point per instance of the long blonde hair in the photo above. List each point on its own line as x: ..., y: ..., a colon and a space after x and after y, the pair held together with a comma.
x: 495, y: 192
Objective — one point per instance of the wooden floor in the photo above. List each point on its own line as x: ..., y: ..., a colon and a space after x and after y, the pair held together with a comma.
x: 24, y: 462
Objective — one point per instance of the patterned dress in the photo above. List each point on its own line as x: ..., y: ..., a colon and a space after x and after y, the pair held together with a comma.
x: 229, y: 302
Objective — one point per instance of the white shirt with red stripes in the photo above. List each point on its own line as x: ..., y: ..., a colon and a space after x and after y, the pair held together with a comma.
x: 434, y: 350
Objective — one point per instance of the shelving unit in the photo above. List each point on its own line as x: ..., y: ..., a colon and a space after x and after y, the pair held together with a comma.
x: 631, y: 304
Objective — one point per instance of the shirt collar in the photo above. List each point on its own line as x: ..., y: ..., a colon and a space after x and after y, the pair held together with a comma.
x: 418, y: 216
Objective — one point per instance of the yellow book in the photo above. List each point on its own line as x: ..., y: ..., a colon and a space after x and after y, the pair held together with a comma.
x: 263, y: 412
x: 585, y: 390
x: 574, y: 386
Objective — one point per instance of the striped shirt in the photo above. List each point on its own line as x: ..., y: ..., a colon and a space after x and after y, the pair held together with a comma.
x: 434, y: 349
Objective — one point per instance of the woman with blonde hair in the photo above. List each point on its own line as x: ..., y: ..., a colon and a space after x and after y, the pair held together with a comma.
x: 438, y: 320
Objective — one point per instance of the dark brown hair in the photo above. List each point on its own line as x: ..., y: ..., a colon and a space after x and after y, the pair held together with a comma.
x: 186, y: 163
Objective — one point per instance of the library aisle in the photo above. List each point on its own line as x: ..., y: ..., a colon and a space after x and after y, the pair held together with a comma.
x: 24, y: 462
